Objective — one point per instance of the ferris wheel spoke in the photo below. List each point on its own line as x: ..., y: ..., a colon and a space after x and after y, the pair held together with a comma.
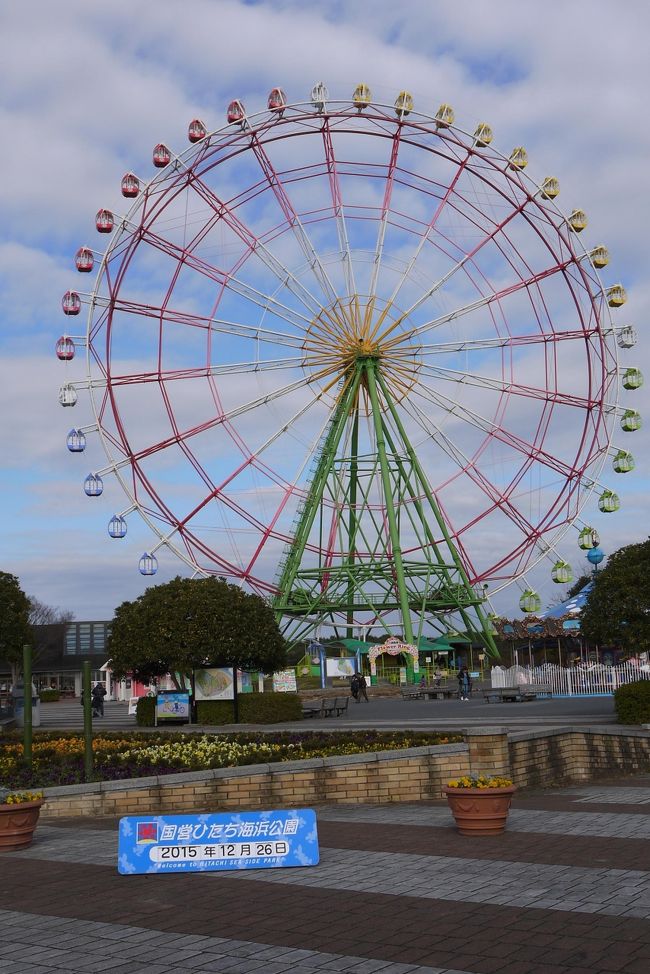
x: 220, y: 325
x: 292, y: 488
x: 226, y: 279
x: 492, y: 429
x: 430, y: 227
x: 470, y: 255
x: 499, y: 499
x: 233, y: 368
x: 507, y: 341
x: 385, y: 211
x: 257, y: 246
x: 338, y: 207
x: 279, y: 191
x: 237, y: 411
x: 463, y: 377
x: 474, y: 305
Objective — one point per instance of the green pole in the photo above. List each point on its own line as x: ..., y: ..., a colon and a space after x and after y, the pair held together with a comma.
x: 393, y: 529
x: 88, y: 721
x: 308, y: 516
x: 487, y: 636
x: 27, y: 712
x: 352, y: 527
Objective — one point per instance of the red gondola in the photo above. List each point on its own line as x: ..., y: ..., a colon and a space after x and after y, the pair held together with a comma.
x: 65, y: 349
x: 130, y: 185
x: 196, y: 130
x: 161, y: 156
x: 236, y: 111
x: 104, y: 221
x: 84, y: 260
x: 277, y: 100
x: 71, y: 303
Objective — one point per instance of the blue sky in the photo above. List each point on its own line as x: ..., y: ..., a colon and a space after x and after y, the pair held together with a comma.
x: 87, y: 90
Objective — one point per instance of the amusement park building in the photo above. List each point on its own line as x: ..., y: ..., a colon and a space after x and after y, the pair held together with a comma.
x: 59, y: 653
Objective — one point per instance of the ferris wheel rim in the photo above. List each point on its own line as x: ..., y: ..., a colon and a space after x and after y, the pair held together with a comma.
x: 114, y: 243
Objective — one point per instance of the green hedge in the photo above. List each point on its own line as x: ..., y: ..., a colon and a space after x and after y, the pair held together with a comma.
x: 254, y: 708
x: 145, y: 711
x: 632, y: 702
x: 49, y: 696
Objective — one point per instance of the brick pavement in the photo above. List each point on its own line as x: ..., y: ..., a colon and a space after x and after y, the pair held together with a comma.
x: 398, y: 891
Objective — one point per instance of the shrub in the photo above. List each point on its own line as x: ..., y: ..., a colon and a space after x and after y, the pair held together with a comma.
x: 632, y: 702
x: 145, y: 711
x: 49, y: 696
x: 254, y: 708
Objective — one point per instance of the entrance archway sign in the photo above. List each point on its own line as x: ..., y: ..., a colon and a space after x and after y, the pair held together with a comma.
x: 394, y: 647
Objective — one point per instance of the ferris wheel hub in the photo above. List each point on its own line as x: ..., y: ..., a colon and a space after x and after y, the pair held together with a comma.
x: 360, y: 328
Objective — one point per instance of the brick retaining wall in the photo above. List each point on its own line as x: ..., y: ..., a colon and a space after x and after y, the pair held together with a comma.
x: 531, y: 759
x: 412, y: 774
x: 576, y: 754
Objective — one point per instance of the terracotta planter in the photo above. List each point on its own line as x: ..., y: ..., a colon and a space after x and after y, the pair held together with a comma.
x: 17, y: 824
x: 480, y: 811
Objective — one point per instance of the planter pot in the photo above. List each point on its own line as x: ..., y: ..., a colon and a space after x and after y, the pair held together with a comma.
x: 17, y: 824
x: 480, y: 811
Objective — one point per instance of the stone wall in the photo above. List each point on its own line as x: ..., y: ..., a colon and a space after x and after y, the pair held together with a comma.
x: 413, y: 774
x: 534, y: 759
x: 576, y: 754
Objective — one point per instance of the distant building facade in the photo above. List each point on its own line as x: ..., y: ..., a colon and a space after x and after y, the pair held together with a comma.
x: 59, y: 651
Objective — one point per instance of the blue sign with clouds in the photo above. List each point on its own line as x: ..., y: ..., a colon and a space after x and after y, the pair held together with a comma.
x: 201, y: 843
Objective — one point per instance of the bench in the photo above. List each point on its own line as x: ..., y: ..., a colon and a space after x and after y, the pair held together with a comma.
x: 412, y: 693
x: 327, y: 707
x: 533, y: 691
x: 312, y: 708
x: 441, y: 692
x: 519, y: 694
x: 341, y: 705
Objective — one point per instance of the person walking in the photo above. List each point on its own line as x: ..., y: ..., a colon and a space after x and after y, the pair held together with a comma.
x: 464, y: 683
x: 354, y: 687
x: 363, y: 687
x: 98, y: 693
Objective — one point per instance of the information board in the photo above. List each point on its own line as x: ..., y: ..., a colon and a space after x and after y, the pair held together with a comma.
x: 284, y: 681
x: 341, y: 666
x: 201, y: 843
x: 172, y: 705
x: 215, y: 683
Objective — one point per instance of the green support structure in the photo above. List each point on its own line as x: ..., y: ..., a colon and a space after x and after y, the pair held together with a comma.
x: 390, y: 509
x: 381, y: 582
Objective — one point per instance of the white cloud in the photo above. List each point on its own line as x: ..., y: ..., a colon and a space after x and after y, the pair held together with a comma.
x: 88, y: 89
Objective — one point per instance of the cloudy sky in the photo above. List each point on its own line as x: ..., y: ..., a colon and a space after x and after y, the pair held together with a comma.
x: 87, y: 89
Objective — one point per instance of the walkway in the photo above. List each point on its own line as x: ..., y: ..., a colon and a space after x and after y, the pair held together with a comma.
x: 382, y: 714
x: 566, y: 890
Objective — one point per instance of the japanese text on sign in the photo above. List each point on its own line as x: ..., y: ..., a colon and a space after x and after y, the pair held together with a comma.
x: 250, y: 840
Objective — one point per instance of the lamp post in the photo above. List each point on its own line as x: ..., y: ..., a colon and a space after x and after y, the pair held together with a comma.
x: 594, y: 557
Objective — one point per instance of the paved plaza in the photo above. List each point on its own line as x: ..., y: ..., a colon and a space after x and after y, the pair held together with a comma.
x: 566, y: 890
x: 384, y: 713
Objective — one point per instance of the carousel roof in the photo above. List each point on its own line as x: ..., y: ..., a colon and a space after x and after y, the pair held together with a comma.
x: 572, y: 606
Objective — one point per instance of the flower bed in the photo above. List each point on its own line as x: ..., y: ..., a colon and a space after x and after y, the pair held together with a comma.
x: 58, y: 758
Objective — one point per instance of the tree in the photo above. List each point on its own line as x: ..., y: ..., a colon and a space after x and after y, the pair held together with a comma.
x: 188, y: 623
x: 15, y: 631
x: 617, y: 611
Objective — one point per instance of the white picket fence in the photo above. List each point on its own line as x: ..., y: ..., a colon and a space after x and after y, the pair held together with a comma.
x: 594, y: 678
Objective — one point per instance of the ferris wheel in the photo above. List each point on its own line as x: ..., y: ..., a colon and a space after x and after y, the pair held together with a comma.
x: 353, y: 357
